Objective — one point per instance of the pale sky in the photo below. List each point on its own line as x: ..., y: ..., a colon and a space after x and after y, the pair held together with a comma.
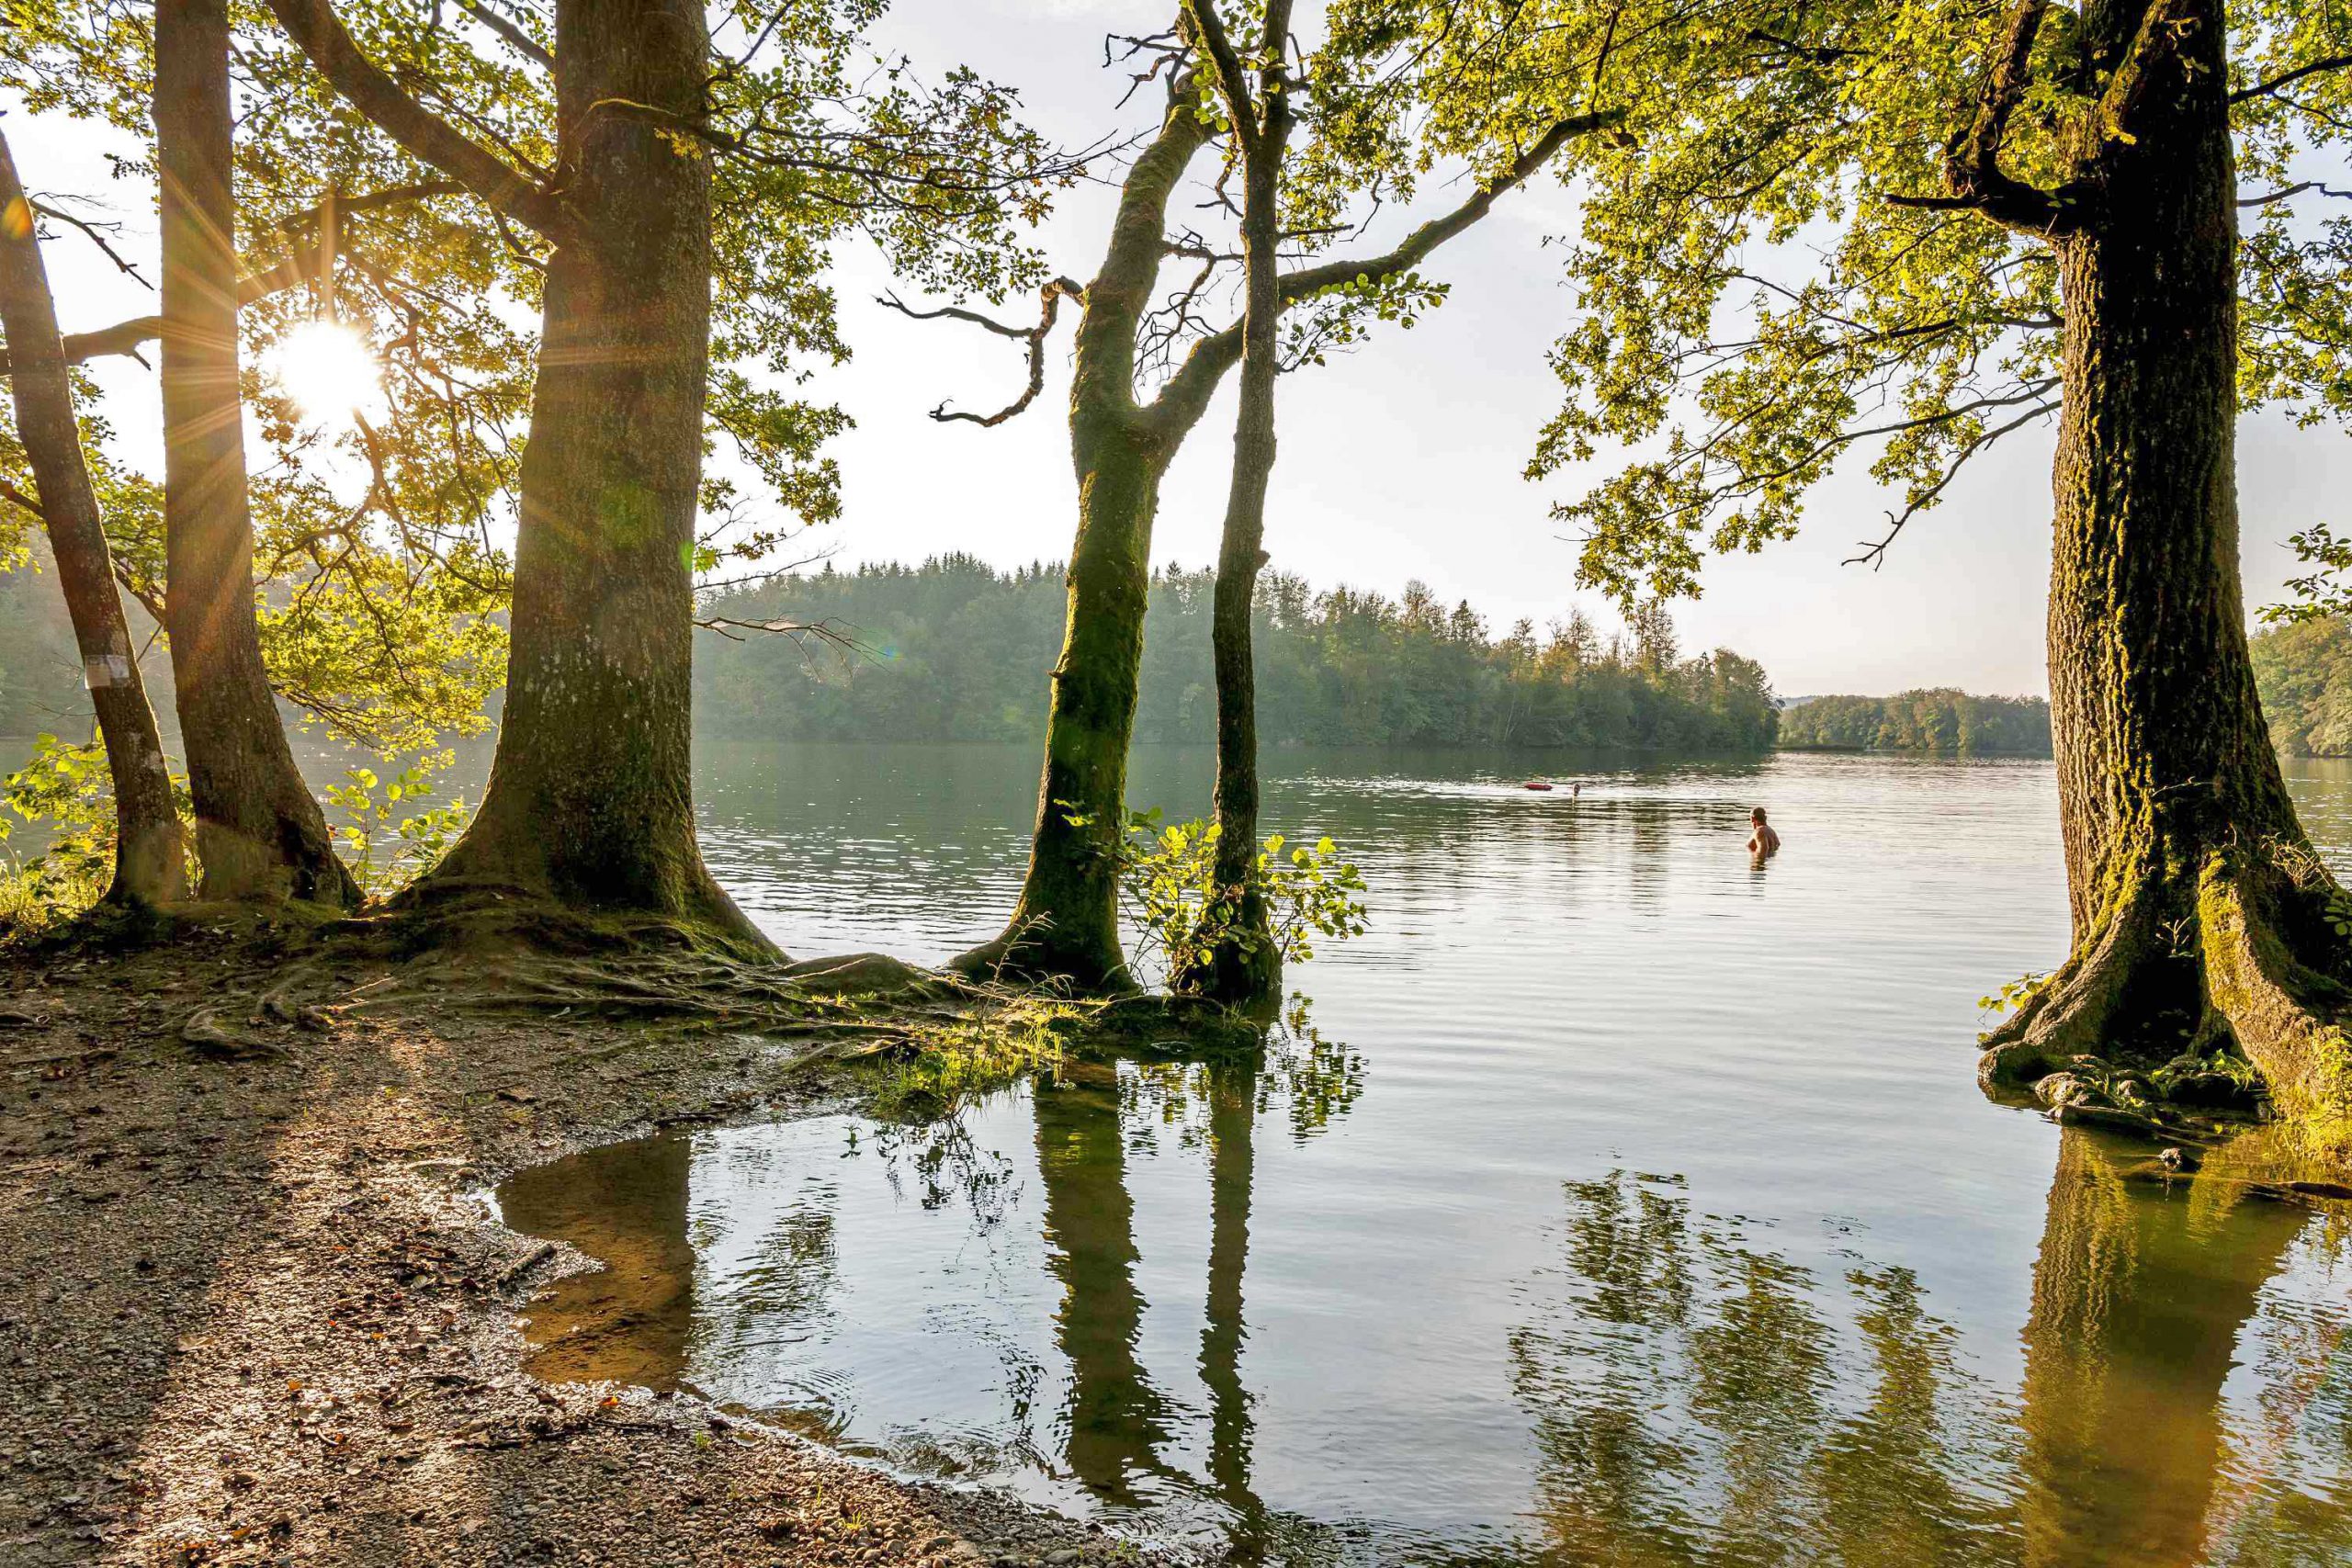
x: 1402, y: 460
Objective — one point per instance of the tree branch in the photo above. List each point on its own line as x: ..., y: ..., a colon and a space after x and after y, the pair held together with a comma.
x: 296, y: 269
x: 1973, y: 164
x: 1051, y: 297
x: 424, y: 135
x: 1187, y: 393
x: 90, y: 232
x: 2289, y: 78
x: 520, y: 41
x: 1873, y: 555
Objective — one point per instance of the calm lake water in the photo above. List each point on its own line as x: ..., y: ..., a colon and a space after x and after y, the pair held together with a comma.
x: 1612, y: 1203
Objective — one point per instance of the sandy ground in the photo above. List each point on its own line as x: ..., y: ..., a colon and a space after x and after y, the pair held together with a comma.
x: 253, y: 1310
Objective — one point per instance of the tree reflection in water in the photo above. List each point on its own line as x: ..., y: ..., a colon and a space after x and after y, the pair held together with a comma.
x: 1693, y: 1396
x: 1698, y: 1399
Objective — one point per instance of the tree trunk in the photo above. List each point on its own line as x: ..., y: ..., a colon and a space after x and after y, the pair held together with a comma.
x: 590, y: 801
x: 2199, y: 908
x: 1240, y: 963
x: 1065, y: 927
x: 150, y: 858
x: 259, y: 831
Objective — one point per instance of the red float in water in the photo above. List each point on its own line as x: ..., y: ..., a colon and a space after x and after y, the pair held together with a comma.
x: 1535, y: 784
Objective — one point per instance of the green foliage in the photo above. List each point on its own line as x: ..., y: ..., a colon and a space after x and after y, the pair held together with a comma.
x: 1753, y: 305
x: 64, y: 793
x: 1169, y: 875
x: 946, y: 1065
x: 389, y: 835
x: 1941, y: 719
x: 2303, y: 669
x: 2013, y: 994
x: 65, y: 790
x: 381, y: 593
x: 953, y: 651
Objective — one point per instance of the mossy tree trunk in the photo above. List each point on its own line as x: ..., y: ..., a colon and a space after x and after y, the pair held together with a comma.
x: 150, y: 860
x: 2199, y: 911
x: 590, y: 801
x: 259, y: 831
x: 1065, y: 926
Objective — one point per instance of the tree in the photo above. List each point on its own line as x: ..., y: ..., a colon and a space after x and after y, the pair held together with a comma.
x: 259, y: 831
x: 377, y: 610
x: 589, y: 803
x: 1064, y: 926
x: 1240, y: 963
x: 2029, y: 210
x: 150, y: 862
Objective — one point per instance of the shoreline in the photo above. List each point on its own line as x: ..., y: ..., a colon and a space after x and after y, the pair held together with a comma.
x: 261, y: 1312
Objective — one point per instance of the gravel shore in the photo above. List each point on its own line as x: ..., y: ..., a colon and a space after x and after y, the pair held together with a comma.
x: 254, y: 1310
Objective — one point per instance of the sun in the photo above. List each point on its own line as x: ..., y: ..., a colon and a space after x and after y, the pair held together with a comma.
x: 329, y: 372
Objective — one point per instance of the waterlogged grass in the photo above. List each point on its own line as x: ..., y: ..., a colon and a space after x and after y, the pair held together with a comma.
x: 951, y: 1064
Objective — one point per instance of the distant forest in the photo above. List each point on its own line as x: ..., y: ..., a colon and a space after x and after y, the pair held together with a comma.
x: 1936, y: 719
x: 2304, y: 673
x: 956, y: 650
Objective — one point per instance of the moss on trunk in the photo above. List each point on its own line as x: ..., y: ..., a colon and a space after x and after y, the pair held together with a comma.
x: 2199, y: 913
x: 1064, y: 926
x: 590, y: 801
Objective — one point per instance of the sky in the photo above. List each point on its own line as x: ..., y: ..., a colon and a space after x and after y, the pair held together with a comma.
x: 1403, y: 460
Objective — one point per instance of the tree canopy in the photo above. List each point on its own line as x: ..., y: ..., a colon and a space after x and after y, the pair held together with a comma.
x: 1771, y: 268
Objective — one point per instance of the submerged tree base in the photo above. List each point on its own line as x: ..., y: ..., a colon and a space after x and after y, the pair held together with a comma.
x: 2213, y: 977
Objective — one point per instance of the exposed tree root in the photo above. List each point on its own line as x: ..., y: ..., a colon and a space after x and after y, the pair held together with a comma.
x: 2200, y: 964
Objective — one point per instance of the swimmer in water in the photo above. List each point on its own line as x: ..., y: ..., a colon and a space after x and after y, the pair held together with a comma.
x: 1763, y: 843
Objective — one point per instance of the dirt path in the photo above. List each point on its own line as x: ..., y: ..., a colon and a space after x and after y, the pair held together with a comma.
x: 251, y: 1311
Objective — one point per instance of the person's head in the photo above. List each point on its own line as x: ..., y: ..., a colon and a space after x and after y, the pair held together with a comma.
x: 1757, y: 817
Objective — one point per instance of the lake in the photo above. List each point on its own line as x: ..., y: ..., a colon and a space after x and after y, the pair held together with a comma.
x: 1610, y: 1201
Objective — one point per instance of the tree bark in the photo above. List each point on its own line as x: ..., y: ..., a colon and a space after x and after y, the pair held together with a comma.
x: 2199, y: 911
x: 1065, y: 929
x: 1065, y: 926
x: 150, y: 856
x: 259, y: 831
x: 590, y: 801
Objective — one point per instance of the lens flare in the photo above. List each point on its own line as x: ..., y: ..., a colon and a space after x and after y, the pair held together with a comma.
x: 328, y: 371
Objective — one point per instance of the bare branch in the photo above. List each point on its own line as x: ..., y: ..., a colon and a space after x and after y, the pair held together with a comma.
x: 516, y: 39
x: 1186, y: 395
x: 92, y: 233
x: 1050, y: 300
x: 2290, y: 192
x: 1875, y: 555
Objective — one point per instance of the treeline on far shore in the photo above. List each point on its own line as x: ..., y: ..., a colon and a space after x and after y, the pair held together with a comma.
x: 953, y: 649
x: 1940, y: 719
x: 2304, y: 673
